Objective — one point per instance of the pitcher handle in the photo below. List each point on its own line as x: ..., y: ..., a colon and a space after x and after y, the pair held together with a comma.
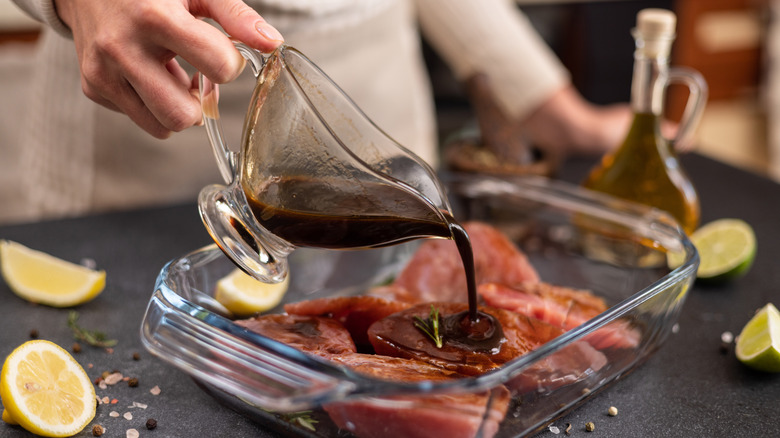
x: 697, y: 99
x: 227, y: 160
x: 223, y: 209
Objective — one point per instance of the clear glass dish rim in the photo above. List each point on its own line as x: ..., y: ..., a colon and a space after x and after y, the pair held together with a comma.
x: 534, y: 188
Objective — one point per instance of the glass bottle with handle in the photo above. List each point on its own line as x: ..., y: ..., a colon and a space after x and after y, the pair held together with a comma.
x: 645, y: 168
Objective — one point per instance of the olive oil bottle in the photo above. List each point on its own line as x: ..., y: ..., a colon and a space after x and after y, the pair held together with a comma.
x: 645, y: 168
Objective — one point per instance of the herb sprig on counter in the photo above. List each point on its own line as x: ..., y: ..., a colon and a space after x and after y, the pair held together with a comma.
x: 92, y: 337
x: 430, y: 326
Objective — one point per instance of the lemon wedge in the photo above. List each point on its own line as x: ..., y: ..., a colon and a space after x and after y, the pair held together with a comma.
x: 727, y: 248
x: 42, y: 278
x: 8, y: 419
x: 244, y: 295
x: 758, y: 345
x: 46, y: 391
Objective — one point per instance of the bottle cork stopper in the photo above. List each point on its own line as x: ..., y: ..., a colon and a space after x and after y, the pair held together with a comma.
x: 654, y: 23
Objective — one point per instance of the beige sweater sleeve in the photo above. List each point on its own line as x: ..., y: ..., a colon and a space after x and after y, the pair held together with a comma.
x: 494, y: 37
x: 46, y: 12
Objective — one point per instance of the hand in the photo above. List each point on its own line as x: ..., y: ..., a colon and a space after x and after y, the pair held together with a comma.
x: 127, y: 48
x: 568, y: 124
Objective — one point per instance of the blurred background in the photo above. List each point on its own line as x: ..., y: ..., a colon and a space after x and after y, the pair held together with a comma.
x: 731, y: 42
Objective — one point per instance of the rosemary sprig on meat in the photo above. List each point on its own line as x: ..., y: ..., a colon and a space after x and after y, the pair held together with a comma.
x: 430, y: 326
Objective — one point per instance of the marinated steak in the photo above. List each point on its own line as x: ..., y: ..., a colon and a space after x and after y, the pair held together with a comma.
x: 562, y: 307
x: 317, y: 335
x: 451, y: 415
x: 356, y: 314
x: 435, y: 272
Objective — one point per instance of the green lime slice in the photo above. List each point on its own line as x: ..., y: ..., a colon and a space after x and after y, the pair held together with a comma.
x: 758, y: 346
x: 726, y: 248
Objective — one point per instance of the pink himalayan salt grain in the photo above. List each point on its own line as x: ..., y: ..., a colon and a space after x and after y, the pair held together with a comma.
x: 155, y: 390
x: 132, y: 433
x: 113, y: 414
x: 128, y: 416
x: 113, y: 379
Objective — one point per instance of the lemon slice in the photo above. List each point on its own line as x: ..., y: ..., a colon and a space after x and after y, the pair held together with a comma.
x: 8, y: 419
x: 758, y: 345
x: 46, y: 391
x: 726, y: 249
x: 41, y: 278
x: 244, y: 295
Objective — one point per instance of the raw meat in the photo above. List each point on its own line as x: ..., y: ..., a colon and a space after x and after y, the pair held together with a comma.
x: 436, y: 273
x: 356, y: 314
x: 562, y: 307
x: 397, y: 336
x: 451, y: 415
x: 317, y: 335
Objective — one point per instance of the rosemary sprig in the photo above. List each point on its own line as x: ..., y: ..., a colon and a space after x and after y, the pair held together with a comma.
x: 430, y: 326
x: 302, y: 418
x: 91, y: 337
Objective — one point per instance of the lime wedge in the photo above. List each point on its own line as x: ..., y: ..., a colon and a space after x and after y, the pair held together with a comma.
x: 758, y: 346
x: 726, y: 248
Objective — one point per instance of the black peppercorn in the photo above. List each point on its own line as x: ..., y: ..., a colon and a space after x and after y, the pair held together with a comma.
x: 151, y: 423
x: 132, y: 382
x: 97, y: 430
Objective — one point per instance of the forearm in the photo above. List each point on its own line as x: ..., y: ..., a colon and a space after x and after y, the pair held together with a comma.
x: 495, y: 38
x: 528, y: 82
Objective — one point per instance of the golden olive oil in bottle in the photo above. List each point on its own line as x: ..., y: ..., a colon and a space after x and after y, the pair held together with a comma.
x: 645, y: 168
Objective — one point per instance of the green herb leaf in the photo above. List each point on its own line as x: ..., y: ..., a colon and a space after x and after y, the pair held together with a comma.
x: 91, y: 337
x: 430, y: 326
x: 302, y: 418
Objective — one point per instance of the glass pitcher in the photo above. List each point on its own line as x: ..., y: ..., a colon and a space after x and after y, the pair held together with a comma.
x: 313, y: 170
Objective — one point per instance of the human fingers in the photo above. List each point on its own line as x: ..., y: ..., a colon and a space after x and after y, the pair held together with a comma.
x: 175, y: 69
x: 242, y: 23
x: 163, y: 90
x: 125, y: 67
x: 124, y: 99
x: 209, y: 50
x: 104, y: 82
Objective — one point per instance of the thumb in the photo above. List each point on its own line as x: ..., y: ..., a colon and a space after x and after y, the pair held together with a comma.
x: 244, y: 24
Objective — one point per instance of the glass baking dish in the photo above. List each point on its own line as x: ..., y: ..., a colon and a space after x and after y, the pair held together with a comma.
x: 573, y: 237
